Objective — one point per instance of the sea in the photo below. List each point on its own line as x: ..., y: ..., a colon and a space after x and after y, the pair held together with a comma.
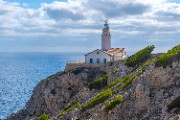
x: 20, y: 73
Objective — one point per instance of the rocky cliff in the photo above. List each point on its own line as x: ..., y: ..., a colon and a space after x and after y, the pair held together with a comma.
x: 153, y: 95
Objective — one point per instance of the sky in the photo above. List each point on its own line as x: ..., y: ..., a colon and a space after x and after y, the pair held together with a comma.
x: 76, y: 25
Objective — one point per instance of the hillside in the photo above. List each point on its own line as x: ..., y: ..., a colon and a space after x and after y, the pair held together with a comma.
x: 144, y: 86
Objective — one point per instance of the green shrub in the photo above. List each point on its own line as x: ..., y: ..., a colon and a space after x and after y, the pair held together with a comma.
x: 105, y: 77
x: 114, y: 71
x: 149, y: 62
x: 126, y: 83
x: 99, y: 83
x: 140, y: 72
x: 42, y: 117
x: 111, y: 84
x: 126, y: 77
x: 166, y: 59
x: 101, y: 97
x: 69, y: 109
x: 110, y: 105
x: 140, y: 57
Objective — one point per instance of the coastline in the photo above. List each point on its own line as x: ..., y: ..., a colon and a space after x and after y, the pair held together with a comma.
x: 20, y: 73
x: 64, y: 89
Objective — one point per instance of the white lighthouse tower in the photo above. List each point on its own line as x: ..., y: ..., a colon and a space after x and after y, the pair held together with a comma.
x: 106, y: 53
x: 106, y: 37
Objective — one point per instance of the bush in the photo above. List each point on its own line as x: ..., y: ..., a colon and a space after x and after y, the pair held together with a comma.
x: 126, y: 83
x: 105, y: 77
x: 140, y: 57
x: 101, y: 97
x: 99, y: 83
x: 126, y: 77
x: 149, y: 62
x: 166, y: 59
x: 42, y: 117
x: 140, y: 72
x: 114, y: 71
x: 111, y: 84
x: 69, y: 109
x: 110, y: 105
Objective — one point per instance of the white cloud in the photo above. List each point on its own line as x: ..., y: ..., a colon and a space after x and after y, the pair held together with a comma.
x: 153, y: 21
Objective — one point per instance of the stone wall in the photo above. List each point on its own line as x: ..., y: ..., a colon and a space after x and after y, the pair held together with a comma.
x: 71, y: 66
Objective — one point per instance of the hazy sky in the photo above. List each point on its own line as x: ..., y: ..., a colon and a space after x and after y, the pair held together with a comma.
x: 76, y: 25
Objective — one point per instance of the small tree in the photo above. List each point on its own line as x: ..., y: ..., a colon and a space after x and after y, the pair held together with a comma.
x: 140, y: 57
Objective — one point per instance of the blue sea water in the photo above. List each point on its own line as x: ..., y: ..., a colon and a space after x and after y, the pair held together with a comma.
x: 20, y: 73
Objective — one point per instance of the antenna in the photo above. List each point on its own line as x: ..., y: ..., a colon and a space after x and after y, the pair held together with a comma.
x: 106, y: 25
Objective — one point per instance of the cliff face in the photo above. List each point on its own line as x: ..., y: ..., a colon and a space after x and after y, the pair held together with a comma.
x: 150, y: 96
x: 57, y: 92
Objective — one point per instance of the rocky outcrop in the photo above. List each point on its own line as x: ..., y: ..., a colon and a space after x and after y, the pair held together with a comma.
x: 58, y: 91
x: 152, y: 96
x: 147, y: 98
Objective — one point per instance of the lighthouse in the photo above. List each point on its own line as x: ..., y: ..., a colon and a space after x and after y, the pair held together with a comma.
x: 106, y: 53
x: 106, y: 37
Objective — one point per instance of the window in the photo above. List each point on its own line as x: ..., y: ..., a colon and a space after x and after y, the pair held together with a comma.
x: 91, y: 60
x: 98, y: 61
x: 97, y: 52
x: 105, y: 60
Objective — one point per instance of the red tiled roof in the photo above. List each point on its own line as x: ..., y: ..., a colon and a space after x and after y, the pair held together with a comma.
x: 115, y: 51
x: 110, y: 52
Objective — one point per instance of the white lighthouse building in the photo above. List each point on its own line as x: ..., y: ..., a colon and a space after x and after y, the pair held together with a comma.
x: 106, y: 54
x: 106, y: 37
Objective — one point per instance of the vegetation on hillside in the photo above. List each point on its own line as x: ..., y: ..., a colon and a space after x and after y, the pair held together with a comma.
x: 139, y: 57
x: 69, y: 109
x: 113, y: 83
x: 141, y: 60
x: 166, y: 59
x: 102, y: 81
x: 101, y: 97
x: 42, y: 117
x: 110, y: 105
x: 148, y: 62
x: 125, y: 83
x: 114, y: 71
